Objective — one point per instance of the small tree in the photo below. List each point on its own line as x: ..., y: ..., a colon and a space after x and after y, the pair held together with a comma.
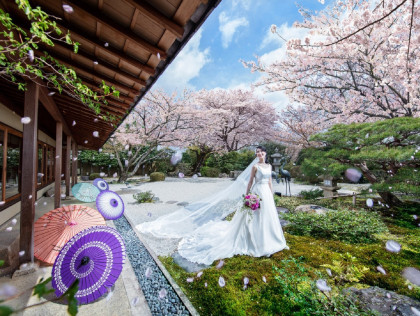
x: 387, y: 153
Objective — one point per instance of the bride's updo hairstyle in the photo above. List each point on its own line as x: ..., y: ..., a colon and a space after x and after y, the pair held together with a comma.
x: 262, y: 148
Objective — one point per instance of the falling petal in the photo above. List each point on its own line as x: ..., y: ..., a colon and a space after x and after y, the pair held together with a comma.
x: 9, y: 229
x: 393, y: 246
x: 369, y: 202
x: 205, y: 284
x: 7, y: 290
x: 412, y: 275
x: 102, y: 174
x: 380, y: 269
x: 264, y: 279
x: 370, y: 190
x: 415, y: 216
x: 245, y: 287
x: 68, y: 8
x: 95, y: 62
x: 394, y: 307
x: 388, y: 295
x: 100, y: 150
x: 45, y: 203
x: 85, y: 141
x: 25, y: 120
x: 134, y: 301
x: 75, y: 158
x: 148, y: 272
x: 115, y: 175
x: 158, y: 55
x: 106, y: 44
x: 190, y: 280
x: 74, y: 123
x: 2, y: 202
x: 14, y: 221
x: 149, y: 214
x: 222, y: 282
x: 199, y: 274
x: 322, y: 285
x: 51, y: 93
x: 31, y: 55
x: 246, y: 281
x: 95, y: 134
x: 194, y: 176
x: 220, y: 264
x: 126, y: 163
x: 21, y: 253
x: 95, y: 120
x: 181, y: 175
x: 329, y: 272
x: 410, y: 287
x: 127, y: 147
x: 63, y: 196
x: 36, y: 203
x: 62, y: 175
x: 162, y: 293
x: 353, y: 175
x: 30, y: 197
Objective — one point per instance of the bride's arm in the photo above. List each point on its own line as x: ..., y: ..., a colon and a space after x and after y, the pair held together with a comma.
x: 251, y: 179
x: 270, y: 184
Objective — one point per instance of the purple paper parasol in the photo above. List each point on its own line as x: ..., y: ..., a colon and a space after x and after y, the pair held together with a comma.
x: 101, y: 184
x: 110, y: 204
x: 95, y: 256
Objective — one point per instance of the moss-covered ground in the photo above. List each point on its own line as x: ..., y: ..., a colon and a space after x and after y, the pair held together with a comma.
x: 352, y: 264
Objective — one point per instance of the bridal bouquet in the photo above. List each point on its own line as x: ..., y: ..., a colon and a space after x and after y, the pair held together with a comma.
x: 251, y: 203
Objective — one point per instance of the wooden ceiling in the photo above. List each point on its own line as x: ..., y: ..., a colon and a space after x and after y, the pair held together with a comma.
x: 126, y: 43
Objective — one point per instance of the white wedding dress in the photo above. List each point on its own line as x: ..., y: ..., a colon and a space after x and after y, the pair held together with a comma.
x: 259, y: 234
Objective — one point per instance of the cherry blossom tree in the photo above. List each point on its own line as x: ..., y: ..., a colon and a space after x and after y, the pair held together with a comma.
x: 368, y: 76
x: 159, y: 120
x: 229, y: 120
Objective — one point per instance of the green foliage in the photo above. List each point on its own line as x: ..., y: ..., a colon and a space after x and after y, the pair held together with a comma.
x: 102, y: 159
x: 144, y: 197
x: 235, y: 160
x: 385, y: 151
x: 311, y: 194
x: 41, y: 288
x: 157, y: 176
x: 344, y: 225
x: 5, y: 310
x: 93, y: 176
x: 185, y: 168
x: 346, y: 269
x: 210, y: 172
x: 16, y: 65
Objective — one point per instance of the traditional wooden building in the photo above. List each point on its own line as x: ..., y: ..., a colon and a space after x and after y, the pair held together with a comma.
x: 125, y: 43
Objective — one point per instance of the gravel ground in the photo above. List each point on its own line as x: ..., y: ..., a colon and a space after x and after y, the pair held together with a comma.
x: 158, y: 292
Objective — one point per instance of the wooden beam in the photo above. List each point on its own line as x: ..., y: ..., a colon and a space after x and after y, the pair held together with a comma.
x: 67, y: 167
x: 64, y: 26
x: 117, y: 100
x: 50, y: 105
x: 58, y: 160
x: 109, y: 23
x: 73, y: 164
x: 29, y: 164
x: 147, y: 10
x: 71, y: 101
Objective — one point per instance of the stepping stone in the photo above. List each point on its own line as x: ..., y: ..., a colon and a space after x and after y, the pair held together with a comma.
x: 282, y: 210
x: 183, y: 203
x: 187, y: 265
x: 171, y: 202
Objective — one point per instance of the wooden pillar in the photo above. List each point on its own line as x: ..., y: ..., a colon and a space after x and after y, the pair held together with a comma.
x: 73, y: 163
x: 28, y: 182
x: 67, y: 167
x: 58, y: 160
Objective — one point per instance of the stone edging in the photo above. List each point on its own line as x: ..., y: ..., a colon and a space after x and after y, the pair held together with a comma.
x: 165, y: 272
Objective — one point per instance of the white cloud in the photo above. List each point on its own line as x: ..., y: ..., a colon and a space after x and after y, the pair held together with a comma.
x: 229, y: 26
x: 186, y: 66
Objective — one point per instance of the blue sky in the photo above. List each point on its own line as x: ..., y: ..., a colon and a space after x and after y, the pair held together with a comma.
x: 236, y: 29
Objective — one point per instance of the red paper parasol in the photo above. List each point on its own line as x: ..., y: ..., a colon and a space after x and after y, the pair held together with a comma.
x: 58, y: 226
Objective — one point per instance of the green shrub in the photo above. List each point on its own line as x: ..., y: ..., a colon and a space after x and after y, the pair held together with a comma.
x: 185, y: 168
x: 144, y: 197
x: 344, y: 225
x: 346, y: 270
x: 210, y: 172
x: 93, y: 176
x: 157, y: 176
x: 311, y: 194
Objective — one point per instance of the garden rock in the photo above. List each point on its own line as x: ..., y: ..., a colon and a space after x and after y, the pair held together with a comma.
x: 386, y: 302
x: 310, y: 208
x: 223, y: 175
x: 282, y: 210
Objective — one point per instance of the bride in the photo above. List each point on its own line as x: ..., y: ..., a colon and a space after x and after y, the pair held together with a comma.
x: 207, y: 237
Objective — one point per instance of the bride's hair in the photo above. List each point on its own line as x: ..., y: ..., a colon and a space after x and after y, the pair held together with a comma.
x: 262, y: 148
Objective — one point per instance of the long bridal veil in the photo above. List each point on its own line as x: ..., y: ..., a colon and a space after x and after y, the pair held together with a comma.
x: 184, y: 221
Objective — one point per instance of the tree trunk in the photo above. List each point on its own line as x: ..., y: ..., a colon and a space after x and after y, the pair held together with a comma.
x: 123, y: 177
x: 388, y: 197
